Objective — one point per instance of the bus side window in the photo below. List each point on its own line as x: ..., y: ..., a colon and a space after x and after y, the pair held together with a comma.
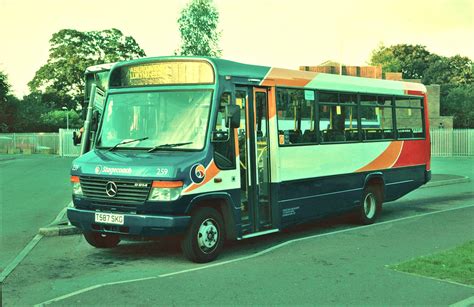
x: 295, y: 116
x: 224, y: 155
x: 409, y: 117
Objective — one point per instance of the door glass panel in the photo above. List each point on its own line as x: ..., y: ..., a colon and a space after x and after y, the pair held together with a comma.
x: 241, y: 100
x: 262, y: 159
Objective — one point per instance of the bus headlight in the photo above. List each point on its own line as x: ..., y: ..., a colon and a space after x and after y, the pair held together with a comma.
x: 165, y: 190
x: 76, y: 186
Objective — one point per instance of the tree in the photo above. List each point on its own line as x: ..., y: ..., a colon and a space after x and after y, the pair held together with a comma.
x: 456, y: 70
x: 460, y: 103
x: 56, y: 119
x: 4, y: 86
x: 410, y: 60
x: 7, y: 105
x: 71, y: 52
x: 384, y: 56
x: 198, y: 27
x: 28, y: 114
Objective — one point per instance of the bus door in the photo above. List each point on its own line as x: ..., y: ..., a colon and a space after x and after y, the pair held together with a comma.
x: 254, y: 159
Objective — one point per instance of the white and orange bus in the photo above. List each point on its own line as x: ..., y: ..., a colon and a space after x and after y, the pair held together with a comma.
x: 213, y: 150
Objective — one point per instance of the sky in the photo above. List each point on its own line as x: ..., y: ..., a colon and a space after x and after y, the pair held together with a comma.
x: 278, y: 33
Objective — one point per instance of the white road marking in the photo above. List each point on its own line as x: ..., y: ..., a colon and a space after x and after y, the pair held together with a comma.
x: 263, y: 252
x: 19, y: 258
x: 27, y: 249
x: 60, y: 298
x: 467, y: 302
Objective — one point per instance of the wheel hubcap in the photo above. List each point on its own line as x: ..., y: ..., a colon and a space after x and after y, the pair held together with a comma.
x: 369, y: 205
x: 208, y: 235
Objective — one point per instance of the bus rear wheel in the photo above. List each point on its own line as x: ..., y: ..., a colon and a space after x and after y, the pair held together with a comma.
x: 204, y: 238
x: 371, y: 205
x: 102, y: 240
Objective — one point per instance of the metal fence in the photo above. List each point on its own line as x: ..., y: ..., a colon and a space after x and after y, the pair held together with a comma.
x: 452, y: 142
x: 29, y: 143
x: 66, y: 147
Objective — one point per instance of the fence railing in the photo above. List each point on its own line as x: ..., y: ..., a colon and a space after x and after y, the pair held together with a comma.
x: 452, y: 142
x: 28, y: 143
x: 66, y: 147
x: 444, y: 143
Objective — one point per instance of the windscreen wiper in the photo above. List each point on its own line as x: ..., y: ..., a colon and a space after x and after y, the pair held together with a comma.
x: 168, y: 146
x: 126, y: 142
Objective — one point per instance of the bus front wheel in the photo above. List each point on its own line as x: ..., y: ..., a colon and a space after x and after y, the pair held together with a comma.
x: 102, y: 240
x: 371, y: 205
x: 204, y: 238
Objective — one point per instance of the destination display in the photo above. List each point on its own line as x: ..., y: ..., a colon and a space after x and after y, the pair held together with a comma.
x: 163, y: 73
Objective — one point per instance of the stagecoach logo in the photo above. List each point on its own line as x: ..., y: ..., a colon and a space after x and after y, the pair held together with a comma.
x: 99, y: 169
x: 111, y: 189
x: 197, y: 173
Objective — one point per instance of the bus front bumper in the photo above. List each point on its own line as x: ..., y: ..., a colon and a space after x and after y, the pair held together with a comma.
x: 134, y: 224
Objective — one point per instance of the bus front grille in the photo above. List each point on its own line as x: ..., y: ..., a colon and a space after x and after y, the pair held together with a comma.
x: 128, y: 192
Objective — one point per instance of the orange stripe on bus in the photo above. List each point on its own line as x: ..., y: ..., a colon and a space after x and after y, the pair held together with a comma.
x: 386, y: 159
x: 236, y: 142
x: 211, y: 172
x: 167, y: 184
x: 271, y: 103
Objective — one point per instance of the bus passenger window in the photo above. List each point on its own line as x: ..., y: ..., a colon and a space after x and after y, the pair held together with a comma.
x: 376, y: 117
x: 296, y: 116
x: 338, y: 117
x: 409, y: 116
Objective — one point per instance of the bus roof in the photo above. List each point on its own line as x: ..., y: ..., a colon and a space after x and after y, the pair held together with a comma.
x: 100, y: 67
x: 272, y: 76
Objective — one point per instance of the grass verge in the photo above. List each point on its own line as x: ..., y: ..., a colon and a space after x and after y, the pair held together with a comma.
x: 454, y: 265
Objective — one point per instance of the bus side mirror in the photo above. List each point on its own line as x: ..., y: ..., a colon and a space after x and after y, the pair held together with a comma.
x: 95, y: 120
x: 76, y: 138
x: 232, y: 116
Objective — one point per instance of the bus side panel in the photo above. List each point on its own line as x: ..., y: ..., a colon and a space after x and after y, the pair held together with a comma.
x: 402, y: 180
x: 303, y: 200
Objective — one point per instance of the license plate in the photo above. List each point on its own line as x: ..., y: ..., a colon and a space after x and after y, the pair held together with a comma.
x: 109, y: 218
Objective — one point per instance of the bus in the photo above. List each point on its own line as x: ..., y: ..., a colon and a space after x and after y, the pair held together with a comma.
x: 208, y: 150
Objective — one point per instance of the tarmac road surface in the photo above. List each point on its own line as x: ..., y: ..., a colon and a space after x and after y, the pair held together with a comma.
x: 326, y: 262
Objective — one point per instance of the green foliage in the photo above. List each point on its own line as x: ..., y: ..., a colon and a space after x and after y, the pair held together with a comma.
x: 410, y: 60
x: 198, y: 27
x: 28, y: 113
x: 4, y: 86
x: 54, y: 120
x: 456, y: 70
x: 7, y: 105
x: 454, y: 265
x: 71, y: 52
x: 384, y: 56
x: 460, y: 103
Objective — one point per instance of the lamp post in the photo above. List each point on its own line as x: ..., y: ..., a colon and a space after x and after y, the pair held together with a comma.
x: 67, y: 118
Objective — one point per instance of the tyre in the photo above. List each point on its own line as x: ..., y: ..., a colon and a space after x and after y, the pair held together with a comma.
x: 102, y: 240
x: 371, y: 205
x: 204, y: 237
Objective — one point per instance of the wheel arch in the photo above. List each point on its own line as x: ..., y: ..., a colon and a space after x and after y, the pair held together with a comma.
x: 376, y: 179
x: 223, y: 203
